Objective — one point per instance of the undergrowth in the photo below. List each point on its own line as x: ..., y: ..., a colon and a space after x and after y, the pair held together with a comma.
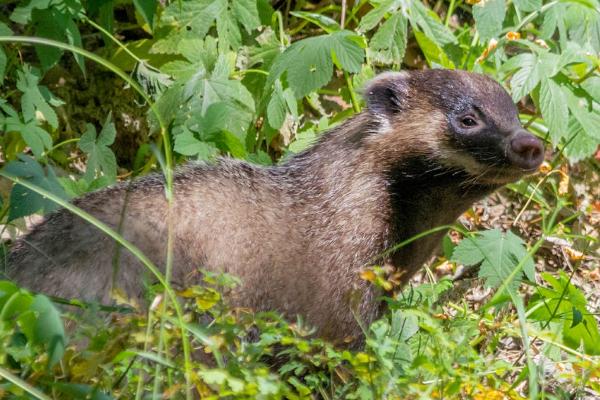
x: 95, y: 92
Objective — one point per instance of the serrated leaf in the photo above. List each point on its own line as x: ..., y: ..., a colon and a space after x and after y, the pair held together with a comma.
x: 430, y: 24
x: 498, y: 253
x: 193, y: 20
x: 527, y: 77
x: 308, y: 63
x: 276, y: 109
x: 435, y: 56
x: 592, y: 86
x: 553, y: 106
x: 203, y: 89
x: 33, y: 100
x: 23, y: 201
x: 489, y: 16
x: 246, y: 13
x: 100, y: 158
x: 586, y: 111
x: 372, y: 18
x: 579, y: 144
x: 34, y: 136
x: 392, y: 37
x: 187, y: 144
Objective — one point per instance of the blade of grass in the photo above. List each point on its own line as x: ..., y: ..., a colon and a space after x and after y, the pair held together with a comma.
x: 15, y: 380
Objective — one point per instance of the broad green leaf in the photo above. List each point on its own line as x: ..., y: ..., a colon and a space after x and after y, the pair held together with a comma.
x: 372, y: 18
x: 586, y: 111
x: 48, y: 329
x: 527, y: 77
x: 100, y: 158
x: 22, y: 15
x: 592, y: 86
x: 435, y: 56
x: 391, y: 37
x: 579, y: 145
x: 203, y: 89
x: 276, y: 109
x: 187, y: 144
x: 58, y: 25
x: 553, y: 105
x: 489, y: 16
x: 33, y: 135
x: 246, y: 13
x: 430, y: 24
x: 528, y: 5
x: 147, y: 9
x: 24, y: 202
x: 193, y: 20
x: 308, y: 63
x: 498, y: 253
x: 34, y: 101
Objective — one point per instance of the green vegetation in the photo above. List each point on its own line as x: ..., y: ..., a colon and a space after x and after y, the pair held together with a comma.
x: 92, y: 92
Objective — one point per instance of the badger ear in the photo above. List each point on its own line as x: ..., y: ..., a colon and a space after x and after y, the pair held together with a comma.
x: 387, y: 93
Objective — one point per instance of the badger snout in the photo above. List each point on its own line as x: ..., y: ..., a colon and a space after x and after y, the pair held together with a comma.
x: 525, y: 151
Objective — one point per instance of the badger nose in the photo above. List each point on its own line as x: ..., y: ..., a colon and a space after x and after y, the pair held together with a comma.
x: 525, y: 150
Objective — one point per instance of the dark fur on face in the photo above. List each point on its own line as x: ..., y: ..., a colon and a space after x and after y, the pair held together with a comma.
x: 429, y: 144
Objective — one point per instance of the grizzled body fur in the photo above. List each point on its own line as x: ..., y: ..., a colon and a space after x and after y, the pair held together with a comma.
x: 299, y: 233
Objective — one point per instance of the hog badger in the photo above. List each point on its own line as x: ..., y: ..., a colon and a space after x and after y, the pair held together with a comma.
x: 428, y: 145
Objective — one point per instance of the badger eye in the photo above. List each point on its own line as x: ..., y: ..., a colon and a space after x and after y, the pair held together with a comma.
x: 468, y: 121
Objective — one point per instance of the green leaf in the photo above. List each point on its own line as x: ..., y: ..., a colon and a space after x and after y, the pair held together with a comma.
x: 498, y: 253
x: 489, y: 16
x: 22, y: 15
x: 392, y: 37
x: 34, y: 136
x: 35, y: 98
x: 193, y: 19
x: 100, y: 158
x: 527, y: 77
x: 187, y: 144
x: 203, y: 89
x: 276, y: 110
x: 24, y: 202
x: 430, y: 24
x: 435, y: 56
x: 592, y: 86
x: 4, y: 31
x: 586, y: 111
x: 580, y: 145
x: 528, y: 5
x: 564, y: 302
x: 322, y: 21
x: 308, y: 63
x: 48, y: 329
x: 372, y: 18
x: 246, y: 13
x: 553, y: 105
x: 147, y: 9
x: 58, y: 25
